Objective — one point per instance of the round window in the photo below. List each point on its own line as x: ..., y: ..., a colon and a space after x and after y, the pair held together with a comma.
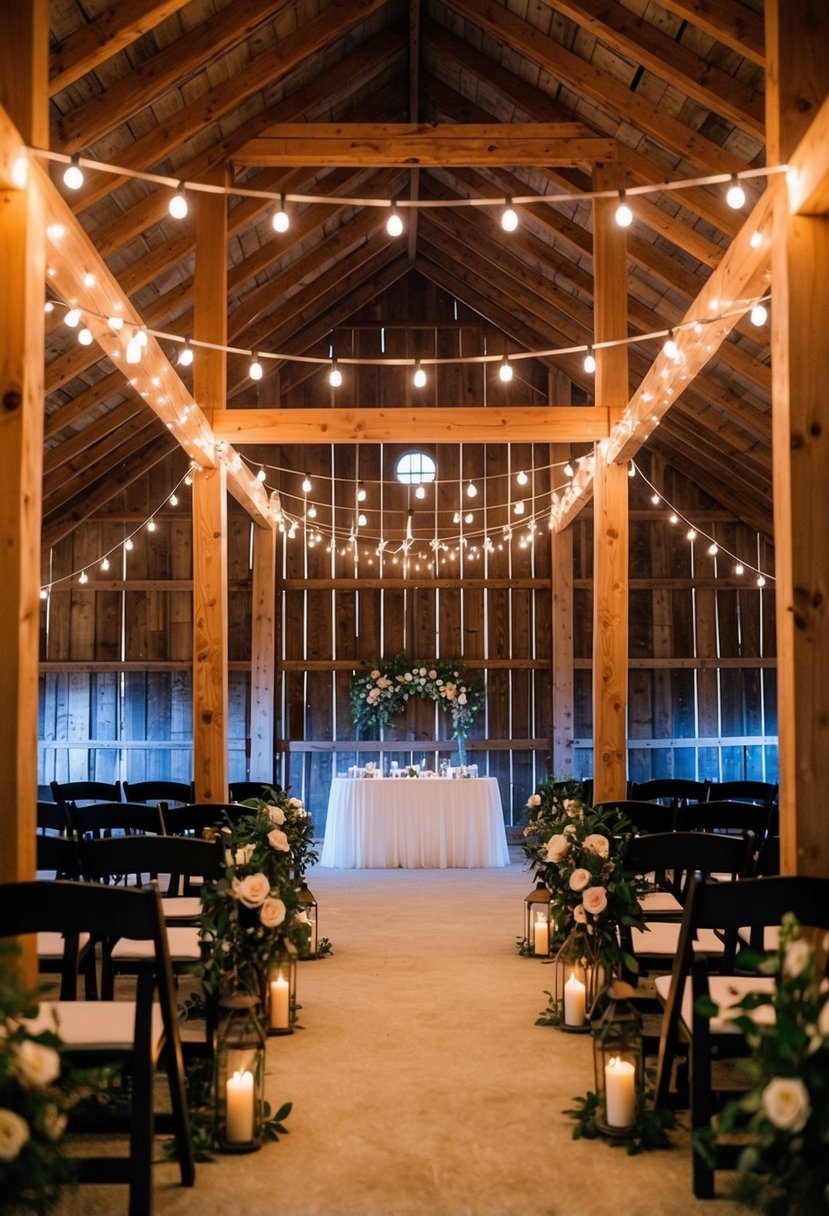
x: 413, y: 468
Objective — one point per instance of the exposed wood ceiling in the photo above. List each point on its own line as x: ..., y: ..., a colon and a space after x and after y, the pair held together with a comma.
x: 671, y: 90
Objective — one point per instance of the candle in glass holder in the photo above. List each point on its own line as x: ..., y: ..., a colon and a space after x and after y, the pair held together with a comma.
x: 620, y: 1092
x: 279, y: 1014
x: 239, y: 1122
x: 574, y: 1001
x: 541, y: 934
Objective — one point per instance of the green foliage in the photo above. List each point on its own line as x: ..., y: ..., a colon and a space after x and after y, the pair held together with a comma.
x: 200, y: 1101
x: 649, y: 1130
x: 380, y: 694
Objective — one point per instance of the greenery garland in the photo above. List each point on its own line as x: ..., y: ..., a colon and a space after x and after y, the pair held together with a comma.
x: 379, y: 695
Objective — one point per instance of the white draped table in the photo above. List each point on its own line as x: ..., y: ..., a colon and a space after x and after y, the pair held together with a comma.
x: 424, y: 822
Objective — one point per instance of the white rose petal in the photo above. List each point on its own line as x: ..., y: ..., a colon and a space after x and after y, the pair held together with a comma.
x: 786, y: 1103
x: 556, y: 848
x: 37, y: 1066
x: 272, y: 912
x: 594, y: 900
x: 598, y: 844
x: 252, y: 890
x: 798, y: 956
x: 14, y: 1132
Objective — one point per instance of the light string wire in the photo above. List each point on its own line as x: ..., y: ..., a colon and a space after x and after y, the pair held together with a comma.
x: 281, y: 196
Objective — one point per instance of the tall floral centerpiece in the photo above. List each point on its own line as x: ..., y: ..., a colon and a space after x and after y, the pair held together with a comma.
x: 380, y: 694
x: 784, y: 1116
x: 577, y: 852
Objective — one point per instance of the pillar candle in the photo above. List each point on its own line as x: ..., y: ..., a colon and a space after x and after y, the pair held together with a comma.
x: 620, y: 1092
x: 541, y: 934
x: 280, y: 1018
x: 574, y: 1001
x: 239, y: 1123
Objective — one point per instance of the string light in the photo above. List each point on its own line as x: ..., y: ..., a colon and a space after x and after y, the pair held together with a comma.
x: 394, y: 224
x: 670, y: 348
x: 522, y: 478
x: 255, y: 370
x: 177, y: 206
x: 736, y: 195
x: 419, y: 377
x: 362, y: 494
x: 759, y: 315
x: 420, y: 492
x: 509, y: 217
x: 261, y: 475
x: 185, y: 355
x: 85, y: 336
x: 151, y: 525
x: 134, y: 349
x: 590, y: 361
x: 73, y: 175
x: 116, y: 324
x: 281, y: 220
x: 505, y: 371
x: 89, y: 279
x: 306, y: 484
x: 569, y: 471
x: 624, y: 215
x: 72, y: 318
x: 471, y: 490
x: 335, y: 376
x: 361, y: 520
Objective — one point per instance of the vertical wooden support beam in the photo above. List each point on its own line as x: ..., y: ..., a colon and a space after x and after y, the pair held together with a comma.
x: 797, y: 81
x: 610, y: 500
x: 561, y: 563
x: 23, y: 120
x: 210, y: 681
x: 263, y: 655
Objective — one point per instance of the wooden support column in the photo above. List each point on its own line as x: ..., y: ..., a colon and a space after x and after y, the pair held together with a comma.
x: 610, y: 502
x: 561, y: 563
x: 263, y: 655
x: 797, y: 82
x: 210, y: 681
x: 23, y: 120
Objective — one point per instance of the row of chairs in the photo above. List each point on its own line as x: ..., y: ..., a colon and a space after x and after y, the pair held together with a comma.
x: 731, y: 817
x: 64, y: 792
x: 678, y: 791
x: 135, y: 818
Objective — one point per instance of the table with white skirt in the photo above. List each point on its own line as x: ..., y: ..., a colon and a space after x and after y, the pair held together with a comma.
x: 424, y: 822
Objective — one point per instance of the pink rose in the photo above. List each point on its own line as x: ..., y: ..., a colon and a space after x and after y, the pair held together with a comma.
x: 272, y: 912
x: 556, y: 848
x: 252, y: 890
x: 594, y: 900
x: 278, y: 840
x: 579, y: 879
x: 579, y: 915
x: 276, y: 815
x: 598, y: 844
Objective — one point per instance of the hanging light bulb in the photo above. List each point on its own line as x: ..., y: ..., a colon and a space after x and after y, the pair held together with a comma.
x: 73, y: 175
x: 20, y: 171
x: 394, y: 224
x: 116, y: 324
x: 185, y: 355
x: 105, y: 564
x: 670, y: 348
x: 713, y: 549
x: 361, y: 520
x: 255, y: 370
x: 312, y: 512
x: 590, y: 361
x: 631, y: 469
x: 151, y: 525
x: 468, y: 518
x: 739, y: 568
x: 505, y: 371
x: 362, y: 494
x: 509, y: 217
x: 173, y: 499
x: 306, y: 484
x: 691, y: 534
x: 419, y: 377
x: 759, y: 314
x: 655, y: 499
x: 519, y: 507
x: 761, y: 582
x: 44, y: 593
x: 73, y: 317
x: 420, y: 492
x: 624, y: 215
x: 522, y: 478
x: 85, y: 336
x: 141, y: 336
x: 673, y: 518
x: 569, y: 471
x: 281, y: 220
x: 261, y: 475
x: 83, y: 577
x: 177, y: 206
x: 756, y: 239
x: 335, y: 376
x: 134, y: 349
x: 49, y: 306
x: 128, y: 545
x: 736, y: 195
x: 471, y: 490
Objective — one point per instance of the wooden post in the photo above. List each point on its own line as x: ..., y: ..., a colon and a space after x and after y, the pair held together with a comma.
x: 610, y: 501
x: 210, y: 681
x: 797, y: 81
x: 23, y: 120
x: 561, y: 563
x: 263, y: 655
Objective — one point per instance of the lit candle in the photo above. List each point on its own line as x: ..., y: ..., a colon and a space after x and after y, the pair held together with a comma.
x: 240, y: 1108
x: 620, y: 1092
x: 280, y: 1004
x: 541, y: 934
x: 574, y: 1001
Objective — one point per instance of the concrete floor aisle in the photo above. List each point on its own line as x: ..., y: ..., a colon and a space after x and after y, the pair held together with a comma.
x: 421, y: 1086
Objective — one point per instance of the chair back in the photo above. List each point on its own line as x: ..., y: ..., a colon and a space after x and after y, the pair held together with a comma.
x: 158, y: 791
x: 644, y: 816
x: 116, y: 816
x: 142, y: 855
x: 240, y: 790
x: 65, y: 792
x: 681, y: 854
x: 727, y: 817
x: 52, y: 817
x: 762, y: 792
x: 57, y: 855
x: 670, y: 791
x: 196, y: 816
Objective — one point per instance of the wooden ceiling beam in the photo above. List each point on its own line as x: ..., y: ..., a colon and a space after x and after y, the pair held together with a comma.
x: 807, y: 179
x: 591, y: 81
x: 635, y: 38
x: 726, y: 21
x: 111, y: 385
x: 406, y: 144
x: 61, y: 485
x: 87, y: 437
x: 454, y: 424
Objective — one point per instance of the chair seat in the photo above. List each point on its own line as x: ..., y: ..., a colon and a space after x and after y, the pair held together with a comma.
x: 51, y: 945
x: 660, y: 901
x: 95, y: 1026
x: 183, y: 941
x: 662, y: 937
x: 181, y: 907
x: 771, y: 937
x: 726, y: 991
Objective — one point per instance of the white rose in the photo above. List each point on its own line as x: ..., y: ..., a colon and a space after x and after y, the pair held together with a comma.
x: 278, y: 840
x: 14, y: 1132
x: 786, y: 1103
x: 462, y: 699
x: 375, y: 675
x: 570, y: 830
x: 556, y: 847
x: 598, y: 844
x: 242, y: 856
x: 433, y: 675
x: 579, y: 879
x: 252, y: 890
x: 272, y: 912
x: 37, y: 1066
x: 579, y: 915
x: 798, y: 956
x: 594, y: 900
x: 295, y: 802
x: 534, y: 800
x: 408, y: 677
x: 53, y: 1122
x: 276, y: 815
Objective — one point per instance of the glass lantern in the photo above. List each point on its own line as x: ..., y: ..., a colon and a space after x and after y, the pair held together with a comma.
x: 281, y: 996
x: 618, y: 1060
x: 539, y: 925
x: 578, y: 979
x: 240, y: 1074
x: 308, y: 905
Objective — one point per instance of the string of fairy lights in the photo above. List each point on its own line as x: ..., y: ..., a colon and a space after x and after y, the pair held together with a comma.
x: 528, y: 516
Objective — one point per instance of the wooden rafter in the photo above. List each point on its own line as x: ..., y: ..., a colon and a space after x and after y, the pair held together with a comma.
x: 727, y: 21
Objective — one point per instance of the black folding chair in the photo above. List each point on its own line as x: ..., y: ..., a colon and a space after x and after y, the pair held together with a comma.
x: 57, y: 857
x: 762, y: 792
x: 669, y: 791
x: 726, y: 907
x: 644, y: 816
x: 65, y: 792
x: 129, y: 818
x: 240, y: 790
x: 136, y: 1035
x: 158, y: 791
x: 730, y: 817
x: 193, y: 819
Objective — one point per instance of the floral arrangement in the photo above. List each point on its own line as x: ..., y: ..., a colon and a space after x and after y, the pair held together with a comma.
x: 380, y: 694
x: 784, y: 1168
x: 35, y: 1096
x: 252, y: 917
x: 294, y: 821
x: 577, y: 852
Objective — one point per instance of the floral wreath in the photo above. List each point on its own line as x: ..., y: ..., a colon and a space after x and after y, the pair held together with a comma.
x: 379, y: 695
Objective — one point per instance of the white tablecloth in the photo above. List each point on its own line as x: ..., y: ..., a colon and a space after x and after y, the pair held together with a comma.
x: 427, y: 822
